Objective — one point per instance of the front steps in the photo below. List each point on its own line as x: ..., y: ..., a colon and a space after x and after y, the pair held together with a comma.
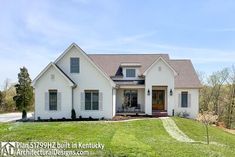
x: 159, y: 113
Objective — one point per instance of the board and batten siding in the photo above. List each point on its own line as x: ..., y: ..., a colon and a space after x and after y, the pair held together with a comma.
x: 193, y: 102
x: 88, y: 78
x: 159, y: 75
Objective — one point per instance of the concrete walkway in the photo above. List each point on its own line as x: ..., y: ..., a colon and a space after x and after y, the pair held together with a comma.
x: 9, y: 117
x: 174, y: 131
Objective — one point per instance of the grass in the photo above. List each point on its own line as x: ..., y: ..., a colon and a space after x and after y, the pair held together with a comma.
x: 135, y: 138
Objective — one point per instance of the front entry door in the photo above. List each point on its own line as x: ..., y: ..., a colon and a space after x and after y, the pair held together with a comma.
x: 158, y: 99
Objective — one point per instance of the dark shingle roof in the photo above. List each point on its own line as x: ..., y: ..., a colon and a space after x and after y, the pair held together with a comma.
x: 110, y: 64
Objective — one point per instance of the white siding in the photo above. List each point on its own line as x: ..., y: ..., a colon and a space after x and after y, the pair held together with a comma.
x: 89, y: 78
x: 193, y: 109
x: 154, y: 77
x: 43, y: 85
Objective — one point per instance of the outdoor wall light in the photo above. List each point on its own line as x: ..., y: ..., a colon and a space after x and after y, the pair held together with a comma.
x: 148, y: 92
x: 171, y: 92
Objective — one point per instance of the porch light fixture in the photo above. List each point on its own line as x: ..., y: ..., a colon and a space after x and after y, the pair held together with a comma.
x: 148, y: 92
x: 171, y: 92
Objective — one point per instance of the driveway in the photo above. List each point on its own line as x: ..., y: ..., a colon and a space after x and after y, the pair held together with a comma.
x: 9, y: 117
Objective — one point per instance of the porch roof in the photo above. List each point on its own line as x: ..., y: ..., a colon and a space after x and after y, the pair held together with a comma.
x: 129, y: 82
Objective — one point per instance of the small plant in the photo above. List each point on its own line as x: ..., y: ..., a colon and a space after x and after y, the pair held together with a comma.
x: 178, y: 114
x: 185, y: 114
x: 39, y: 118
x: 182, y: 114
x: 51, y: 119
x: 73, y: 114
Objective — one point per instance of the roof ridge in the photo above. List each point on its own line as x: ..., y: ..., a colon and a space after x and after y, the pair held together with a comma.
x: 127, y: 54
x: 180, y: 59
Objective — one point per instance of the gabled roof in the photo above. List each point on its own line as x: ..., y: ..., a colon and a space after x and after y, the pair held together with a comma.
x: 68, y: 79
x: 89, y: 60
x: 158, y: 59
x: 109, y: 66
x: 186, y: 76
x: 110, y: 62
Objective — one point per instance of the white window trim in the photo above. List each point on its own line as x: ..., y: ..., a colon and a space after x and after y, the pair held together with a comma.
x: 130, y: 69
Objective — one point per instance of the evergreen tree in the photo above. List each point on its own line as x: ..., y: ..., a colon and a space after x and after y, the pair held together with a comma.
x: 24, y: 92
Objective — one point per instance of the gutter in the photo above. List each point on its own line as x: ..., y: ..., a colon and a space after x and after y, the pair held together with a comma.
x: 72, y: 90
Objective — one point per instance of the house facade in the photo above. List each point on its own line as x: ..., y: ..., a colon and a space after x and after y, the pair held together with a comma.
x: 105, y: 85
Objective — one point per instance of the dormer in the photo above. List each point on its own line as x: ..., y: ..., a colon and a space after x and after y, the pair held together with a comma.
x: 130, y: 71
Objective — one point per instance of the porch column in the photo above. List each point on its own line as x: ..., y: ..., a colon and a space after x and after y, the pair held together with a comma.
x: 114, y: 101
x: 148, y: 100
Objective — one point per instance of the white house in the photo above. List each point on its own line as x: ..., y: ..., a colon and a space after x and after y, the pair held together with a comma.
x: 105, y: 85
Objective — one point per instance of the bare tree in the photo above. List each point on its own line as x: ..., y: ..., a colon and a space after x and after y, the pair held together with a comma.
x: 207, y: 118
x: 216, y: 81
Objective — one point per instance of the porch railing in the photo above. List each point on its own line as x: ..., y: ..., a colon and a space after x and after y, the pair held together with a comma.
x: 126, y: 109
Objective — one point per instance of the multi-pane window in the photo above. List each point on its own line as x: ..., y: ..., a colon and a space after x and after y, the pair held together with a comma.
x: 130, y: 72
x: 52, y: 99
x: 74, y: 65
x: 92, y: 100
x: 184, y: 99
x: 130, y: 98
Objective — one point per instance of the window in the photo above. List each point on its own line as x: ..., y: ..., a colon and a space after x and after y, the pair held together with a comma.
x: 130, y: 72
x: 184, y: 99
x: 92, y: 100
x: 130, y: 98
x: 74, y: 65
x: 52, y: 99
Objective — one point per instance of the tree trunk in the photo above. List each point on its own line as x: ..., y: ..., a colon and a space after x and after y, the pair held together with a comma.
x: 207, y: 134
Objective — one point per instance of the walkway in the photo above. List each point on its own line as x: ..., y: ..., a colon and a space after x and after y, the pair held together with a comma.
x: 174, y: 131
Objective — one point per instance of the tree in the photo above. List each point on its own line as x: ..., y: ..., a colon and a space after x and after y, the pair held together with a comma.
x: 207, y: 118
x: 24, y: 92
x: 230, y: 101
x: 217, y: 81
x: 1, y: 100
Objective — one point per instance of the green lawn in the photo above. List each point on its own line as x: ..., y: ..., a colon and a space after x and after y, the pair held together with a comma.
x: 136, y: 138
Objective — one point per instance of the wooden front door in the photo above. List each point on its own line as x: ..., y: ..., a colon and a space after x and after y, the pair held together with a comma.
x: 158, y: 99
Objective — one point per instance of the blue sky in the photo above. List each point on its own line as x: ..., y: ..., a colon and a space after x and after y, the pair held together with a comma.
x: 33, y: 33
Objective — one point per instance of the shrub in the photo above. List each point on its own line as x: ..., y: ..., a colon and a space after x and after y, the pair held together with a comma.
x: 24, y: 114
x: 182, y: 114
x: 185, y: 114
x: 73, y: 114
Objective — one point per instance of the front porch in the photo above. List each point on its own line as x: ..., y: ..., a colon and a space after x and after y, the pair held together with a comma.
x: 130, y: 100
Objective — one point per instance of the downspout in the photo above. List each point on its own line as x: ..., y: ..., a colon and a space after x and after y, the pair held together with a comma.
x: 72, y: 90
